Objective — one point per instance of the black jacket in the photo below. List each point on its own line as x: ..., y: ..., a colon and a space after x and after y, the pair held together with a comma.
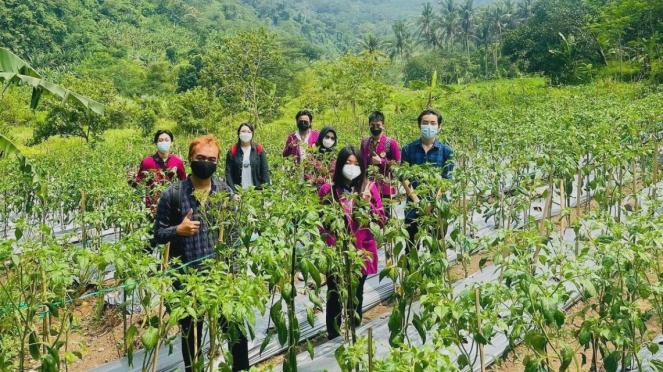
x: 259, y: 167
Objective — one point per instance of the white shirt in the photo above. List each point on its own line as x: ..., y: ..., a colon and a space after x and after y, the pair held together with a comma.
x: 247, y: 179
x: 303, y: 144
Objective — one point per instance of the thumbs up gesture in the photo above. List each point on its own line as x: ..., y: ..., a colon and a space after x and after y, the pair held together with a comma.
x: 188, y: 227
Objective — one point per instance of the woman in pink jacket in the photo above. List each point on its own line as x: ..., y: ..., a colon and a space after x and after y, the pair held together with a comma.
x: 352, y: 192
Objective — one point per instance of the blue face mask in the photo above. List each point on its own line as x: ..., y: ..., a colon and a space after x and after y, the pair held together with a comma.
x: 428, y: 131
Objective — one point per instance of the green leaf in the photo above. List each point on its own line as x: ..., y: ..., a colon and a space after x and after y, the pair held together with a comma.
x: 35, y: 353
x: 150, y: 338
x: 315, y: 300
x: 531, y: 364
x: 463, y: 361
x: 567, y: 358
x: 611, y: 362
x: 309, y: 348
x: 419, y: 326
x: 310, y: 316
x: 536, y: 341
x: 265, y: 342
x: 657, y: 364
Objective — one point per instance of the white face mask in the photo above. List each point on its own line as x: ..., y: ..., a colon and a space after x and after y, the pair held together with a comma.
x: 351, y: 171
x: 428, y: 131
x: 163, y: 147
x: 245, y: 137
x: 328, y: 142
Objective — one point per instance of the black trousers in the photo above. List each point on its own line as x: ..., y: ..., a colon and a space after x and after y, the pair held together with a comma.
x: 412, y: 227
x: 239, y: 350
x: 192, y: 341
x: 334, y: 308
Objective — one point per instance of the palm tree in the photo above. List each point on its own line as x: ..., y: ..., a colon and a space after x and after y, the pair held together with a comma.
x: 426, y: 31
x: 448, y: 22
x: 403, y: 43
x: 466, y: 13
x: 372, y: 43
x: 525, y: 9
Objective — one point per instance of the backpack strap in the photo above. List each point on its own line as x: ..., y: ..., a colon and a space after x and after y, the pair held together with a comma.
x: 160, y: 162
x: 387, y: 146
x: 176, y: 202
x: 259, y: 147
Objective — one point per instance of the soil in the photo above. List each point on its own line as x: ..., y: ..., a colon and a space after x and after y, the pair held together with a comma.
x: 103, y: 338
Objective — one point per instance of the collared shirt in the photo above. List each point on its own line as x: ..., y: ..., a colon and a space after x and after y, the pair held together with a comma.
x: 440, y: 156
x: 154, y: 170
x: 187, y: 248
x: 291, y: 150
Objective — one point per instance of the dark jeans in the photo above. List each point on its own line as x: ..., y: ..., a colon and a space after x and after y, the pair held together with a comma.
x: 386, y: 203
x: 412, y: 227
x: 334, y: 308
x: 239, y: 350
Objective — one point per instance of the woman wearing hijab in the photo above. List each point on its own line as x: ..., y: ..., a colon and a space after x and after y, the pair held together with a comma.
x: 322, y: 162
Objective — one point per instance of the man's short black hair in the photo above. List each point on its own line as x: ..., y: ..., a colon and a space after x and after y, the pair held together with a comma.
x: 162, y: 131
x: 376, y: 116
x: 305, y: 112
x: 429, y: 112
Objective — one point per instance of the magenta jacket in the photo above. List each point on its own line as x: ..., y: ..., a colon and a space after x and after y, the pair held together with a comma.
x: 152, y: 173
x: 387, y: 160
x: 363, y: 235
x: 291, y: 147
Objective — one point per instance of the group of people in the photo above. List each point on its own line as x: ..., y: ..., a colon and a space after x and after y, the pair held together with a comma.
x: 343, y: 179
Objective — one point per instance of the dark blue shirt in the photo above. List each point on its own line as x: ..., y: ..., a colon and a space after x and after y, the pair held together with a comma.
x: 188, y: 248
x: 440, y: 156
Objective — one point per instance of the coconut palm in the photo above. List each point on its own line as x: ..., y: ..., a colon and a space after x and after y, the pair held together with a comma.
x: 372, y: 43
x: 426, y: 32
x: 466, y: 14
x: 524, y: 9
x: 448, y: 22
x: 402, y: 45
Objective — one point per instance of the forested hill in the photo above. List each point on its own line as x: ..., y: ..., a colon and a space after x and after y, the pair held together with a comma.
x: 57, y: 33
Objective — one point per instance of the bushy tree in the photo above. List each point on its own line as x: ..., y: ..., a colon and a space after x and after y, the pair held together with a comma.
x: 531, y: 44
x: 244, y: 73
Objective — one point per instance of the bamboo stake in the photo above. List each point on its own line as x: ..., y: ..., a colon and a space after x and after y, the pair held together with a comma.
x: 578, y: 187
x: 370, y: 349
x: 83, y: 233
x: 478, y: 307
x: 655, y: 173
x: 562, y: 226
x: 164, y: 268
x: 635, y: 186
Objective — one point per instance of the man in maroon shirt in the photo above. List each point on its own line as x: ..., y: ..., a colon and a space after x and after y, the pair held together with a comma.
x: 158, y: 169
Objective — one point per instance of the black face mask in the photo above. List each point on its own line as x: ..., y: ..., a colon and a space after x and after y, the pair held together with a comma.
x: 303, y: 125
x: 376, y: 131
x: 203, y: 169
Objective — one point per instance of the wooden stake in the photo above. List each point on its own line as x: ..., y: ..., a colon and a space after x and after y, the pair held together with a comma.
x: 635, y: 186
x: 370, y: 349
x: 562, y: 226
x: 478, y: 307
x: 578, y: 187
x: 83, y: 237
x: 164, y: 268
x: 655, y: 173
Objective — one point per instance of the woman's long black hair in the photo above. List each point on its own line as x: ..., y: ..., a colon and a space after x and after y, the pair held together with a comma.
x: 339, y: 178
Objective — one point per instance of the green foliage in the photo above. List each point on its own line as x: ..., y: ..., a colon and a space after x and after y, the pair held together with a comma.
x: 245, y: 74
x: 531, y: 44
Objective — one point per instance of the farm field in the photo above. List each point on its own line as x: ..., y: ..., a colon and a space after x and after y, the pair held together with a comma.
x: 531, y: 281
